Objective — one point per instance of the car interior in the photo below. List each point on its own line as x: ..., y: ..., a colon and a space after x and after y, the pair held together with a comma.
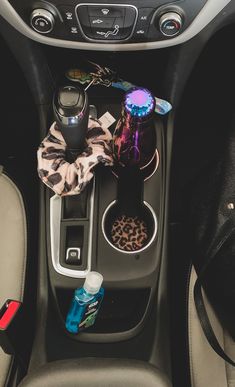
x: 101, y: 59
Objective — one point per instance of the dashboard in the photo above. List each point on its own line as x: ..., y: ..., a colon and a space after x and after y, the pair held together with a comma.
x: 129, y: 25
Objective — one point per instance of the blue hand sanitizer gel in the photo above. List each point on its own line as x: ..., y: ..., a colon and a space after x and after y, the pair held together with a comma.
x: 85, y: 304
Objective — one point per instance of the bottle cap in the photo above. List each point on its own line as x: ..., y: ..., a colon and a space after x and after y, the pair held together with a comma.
x: 93, y: 282
x: 139, y: 102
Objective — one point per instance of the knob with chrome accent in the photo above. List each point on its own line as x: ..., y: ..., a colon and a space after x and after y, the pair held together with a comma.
x: 170, y: 24
x: 42, y: 21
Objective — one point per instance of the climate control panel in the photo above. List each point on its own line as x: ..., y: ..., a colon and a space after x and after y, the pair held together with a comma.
x: 92, y: 21
x: 101, y: 22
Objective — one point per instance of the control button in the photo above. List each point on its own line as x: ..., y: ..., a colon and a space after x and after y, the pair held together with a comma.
x: 68, y: 14
x: 170, y: 24
x: 106, y: 34
x: 142, y: 32
x: 70, y: 20
x: 102, y: 11
x: 103, y: 22
x: 143, y: 22
x: 42, y: 21
x: 74, y: 30
x: 73, y: 256
x: 69, y: 96
x: 116, y: 32
x: 144, y: 15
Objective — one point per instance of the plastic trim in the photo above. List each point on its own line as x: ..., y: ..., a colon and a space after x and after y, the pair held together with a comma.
x: 208, y: 13
x: 55, y: 219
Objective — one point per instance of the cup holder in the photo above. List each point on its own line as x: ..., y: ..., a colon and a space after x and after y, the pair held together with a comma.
x: 146, y: 172
x: 132, y: 232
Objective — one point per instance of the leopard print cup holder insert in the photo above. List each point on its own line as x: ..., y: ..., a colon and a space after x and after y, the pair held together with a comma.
x: 129, y: 232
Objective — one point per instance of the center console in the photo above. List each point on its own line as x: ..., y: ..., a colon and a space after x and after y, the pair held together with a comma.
x: 79, y: 238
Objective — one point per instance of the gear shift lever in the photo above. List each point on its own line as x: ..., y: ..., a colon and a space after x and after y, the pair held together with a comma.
x: 71, y: 110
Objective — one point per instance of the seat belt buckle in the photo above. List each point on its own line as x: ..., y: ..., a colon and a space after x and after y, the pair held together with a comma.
x: 10, y: 323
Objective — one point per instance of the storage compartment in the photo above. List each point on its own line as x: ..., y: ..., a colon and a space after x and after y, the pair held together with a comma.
x: 121, y: 309
x: 146, y: 70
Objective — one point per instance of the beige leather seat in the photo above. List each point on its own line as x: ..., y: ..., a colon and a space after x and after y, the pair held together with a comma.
x: 206, y: 367
x: 13, y: 246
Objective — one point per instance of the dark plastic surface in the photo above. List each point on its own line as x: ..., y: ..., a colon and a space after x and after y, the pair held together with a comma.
x: 122, y: 273
x: 134, y: 270
x: 118, y: 269
x: 121, y: 310
x: 146, y: 29
x: 32, y: 62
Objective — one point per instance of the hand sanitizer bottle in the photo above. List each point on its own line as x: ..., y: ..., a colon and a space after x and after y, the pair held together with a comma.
x: 85, y: 304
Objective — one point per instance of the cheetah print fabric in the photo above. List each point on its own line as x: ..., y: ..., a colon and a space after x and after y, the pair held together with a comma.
x: 70, y: 179
x: 129, y: 233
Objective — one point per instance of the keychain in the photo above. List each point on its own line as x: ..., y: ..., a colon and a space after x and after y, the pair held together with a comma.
x: 100, y: 76
x: 104, y: 76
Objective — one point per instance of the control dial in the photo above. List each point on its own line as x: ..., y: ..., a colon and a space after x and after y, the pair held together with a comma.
x: 42, y: 21
x: 170, y: 24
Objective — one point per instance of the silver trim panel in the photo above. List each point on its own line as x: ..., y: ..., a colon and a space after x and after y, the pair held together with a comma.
x: 55, y: 219
x: 206, y: 15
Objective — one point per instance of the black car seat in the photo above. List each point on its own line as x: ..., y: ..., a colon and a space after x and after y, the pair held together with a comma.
x: 13, y: 250
x: 96, y: 372
x: 207, y: 369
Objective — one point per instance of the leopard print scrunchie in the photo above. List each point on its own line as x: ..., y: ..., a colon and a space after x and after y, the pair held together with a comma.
x: 70, y: 179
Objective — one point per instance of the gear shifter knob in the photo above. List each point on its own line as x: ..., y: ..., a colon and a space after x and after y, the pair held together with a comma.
x: 71, y: 110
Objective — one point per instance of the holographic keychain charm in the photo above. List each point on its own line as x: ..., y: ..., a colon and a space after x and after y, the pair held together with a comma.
x: 79, y: 75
